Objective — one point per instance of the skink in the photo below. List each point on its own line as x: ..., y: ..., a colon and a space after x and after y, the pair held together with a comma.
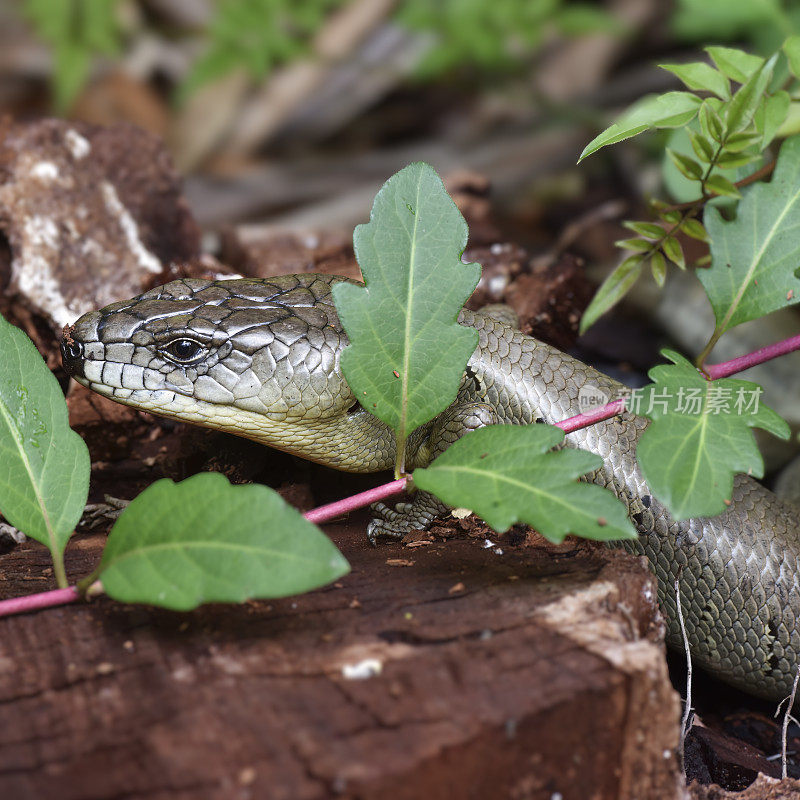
x: 260, y: 358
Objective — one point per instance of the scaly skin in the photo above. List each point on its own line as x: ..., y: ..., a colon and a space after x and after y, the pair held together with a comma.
x: 266, y: 367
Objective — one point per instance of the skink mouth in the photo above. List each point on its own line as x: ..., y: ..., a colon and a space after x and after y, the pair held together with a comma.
x: 72, y: 353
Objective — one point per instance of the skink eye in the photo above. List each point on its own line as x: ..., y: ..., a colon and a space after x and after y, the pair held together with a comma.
x: 183, y: 350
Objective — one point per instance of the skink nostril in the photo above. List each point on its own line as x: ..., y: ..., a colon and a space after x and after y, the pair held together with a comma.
x: 71, y: 351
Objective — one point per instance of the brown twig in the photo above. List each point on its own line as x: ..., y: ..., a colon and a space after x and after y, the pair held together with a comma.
x: 756, y: 176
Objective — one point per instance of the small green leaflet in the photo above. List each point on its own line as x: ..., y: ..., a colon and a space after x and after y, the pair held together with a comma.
x: 614, y: 288
x: 44, y: 465
x: 700, y: 436
x: 670, y: 110
x: 203, y: 541
x: 701, y: 77
x: 507, y: 474
x: 736, y: 64
x: 755, y: 258
x: 407, y: 352
x: 791, y: 49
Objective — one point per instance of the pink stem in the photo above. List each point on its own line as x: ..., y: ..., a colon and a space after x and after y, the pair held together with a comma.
x: 741, y: 363
x: 597, y: 415
x: 57, y: 597
x: 333, y: 510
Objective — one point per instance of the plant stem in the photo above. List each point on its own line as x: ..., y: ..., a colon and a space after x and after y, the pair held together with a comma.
x: 742, y: 363
x: 56, y: 597
x: 400, y: 456
x: 764, y: 172
x: 59, y: 571
x: 699, y: 362
x: 340, y: 507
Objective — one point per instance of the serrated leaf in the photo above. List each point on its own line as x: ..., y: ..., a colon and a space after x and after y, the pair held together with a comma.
x: 694, y: 229
x: 791, y: 49
x: 658, y: 266
x: 44, y: 465
x: 687, y: 166
x: 770, y: 115
x: 673, y: 251
x: 755, y: 256
x: 736, y: 64
x: 407, y: 353
x: 647, y: 229
x: 202, y: 540
x: 743, y: 105
x: 700, y: 436
x: 720, y: 185
x: 505, y: 474
x: 612, y: 290
x: 668, y: 110
x: 700, y: 77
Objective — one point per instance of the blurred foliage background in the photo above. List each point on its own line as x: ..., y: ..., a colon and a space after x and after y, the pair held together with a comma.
x: 297, y: 109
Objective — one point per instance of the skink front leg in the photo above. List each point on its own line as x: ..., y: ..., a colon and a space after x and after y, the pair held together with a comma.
x: 449, y: 426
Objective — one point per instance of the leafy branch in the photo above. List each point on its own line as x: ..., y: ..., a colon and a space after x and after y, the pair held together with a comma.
x: 726, y: 131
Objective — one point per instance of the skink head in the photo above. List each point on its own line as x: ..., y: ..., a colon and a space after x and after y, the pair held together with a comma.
x: 239, y: 355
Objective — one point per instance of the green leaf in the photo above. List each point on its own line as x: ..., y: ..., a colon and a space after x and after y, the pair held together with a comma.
x: 710, y: 121
x: 687, y: 166
x: 647, y: 229
x: 613, y: 289
x: 669, y: 110
x: 700, y: 436
x: 505, y: 474
x: 791, y: 49
x: 701, y: 77
x: 734, y: 160
x: 44, y: 465
x: 703, y: 148
x: 637, y: 245
x: 720, y: 185
x: 407, y: 353
x: 694, y: 228
x: 770, y: 115
x: 737, y: 142
x: 742, y: 107
x: 736, y: 64
x: 658, y: 266
x: 673, y: 251
x: 203, y: 541
x: 755, y: 257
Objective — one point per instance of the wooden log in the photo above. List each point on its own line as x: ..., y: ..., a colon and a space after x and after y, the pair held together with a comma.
x: 535, y: 672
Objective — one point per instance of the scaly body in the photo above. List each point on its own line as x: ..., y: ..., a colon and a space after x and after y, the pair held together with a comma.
x: 260, y: 358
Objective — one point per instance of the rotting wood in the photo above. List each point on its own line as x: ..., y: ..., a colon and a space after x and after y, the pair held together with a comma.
x: 540, y: 676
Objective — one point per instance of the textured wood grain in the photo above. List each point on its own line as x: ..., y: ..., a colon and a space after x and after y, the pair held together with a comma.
x: 514, y: 675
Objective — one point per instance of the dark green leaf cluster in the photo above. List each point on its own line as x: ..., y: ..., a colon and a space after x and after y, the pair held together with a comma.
x: 730, y: 114
x: 77, y: 31
x: 497, y: 35
x: 256, y: 35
